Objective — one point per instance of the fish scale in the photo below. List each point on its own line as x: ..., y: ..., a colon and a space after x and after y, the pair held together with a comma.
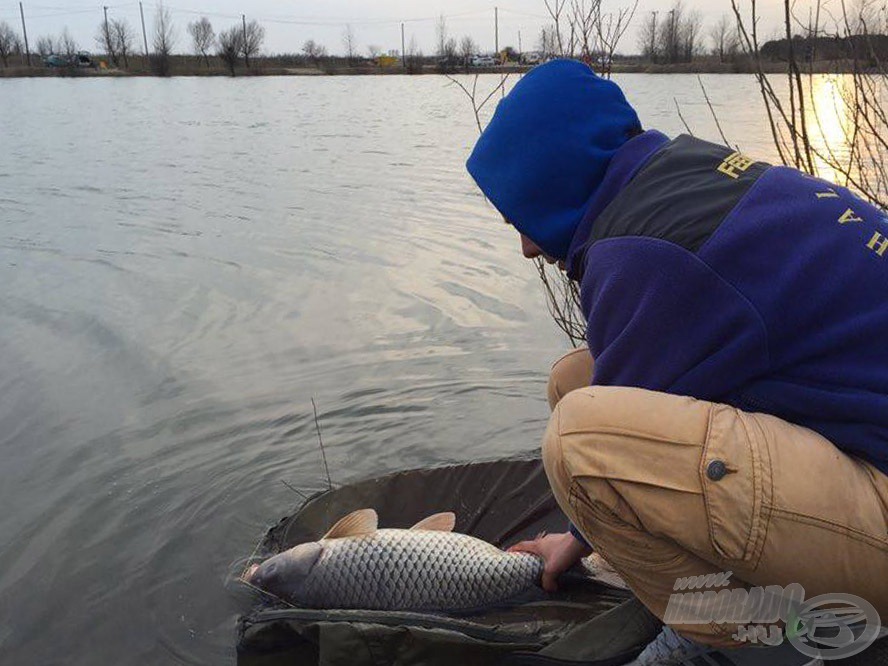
x: 417, y: 570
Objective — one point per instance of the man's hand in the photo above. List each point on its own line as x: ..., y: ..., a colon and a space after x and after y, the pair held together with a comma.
x: 559, y: 552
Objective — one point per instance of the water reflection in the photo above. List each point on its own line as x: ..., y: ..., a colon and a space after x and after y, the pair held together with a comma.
x: 831, y: 124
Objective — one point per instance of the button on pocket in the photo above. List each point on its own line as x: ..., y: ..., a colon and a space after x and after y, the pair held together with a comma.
x: 734, y: 473
x: 716, y: 470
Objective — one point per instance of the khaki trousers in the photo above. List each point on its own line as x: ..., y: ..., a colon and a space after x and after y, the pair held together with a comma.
x: 666, y: 487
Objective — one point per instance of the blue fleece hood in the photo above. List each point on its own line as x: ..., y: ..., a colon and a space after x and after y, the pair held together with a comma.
x: 545, y: 152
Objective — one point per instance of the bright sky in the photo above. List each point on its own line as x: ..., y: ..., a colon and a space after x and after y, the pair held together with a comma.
x: 289, y: 23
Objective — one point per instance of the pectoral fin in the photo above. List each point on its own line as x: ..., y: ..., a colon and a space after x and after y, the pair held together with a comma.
x: 357, y: 523
x: 439, y: 522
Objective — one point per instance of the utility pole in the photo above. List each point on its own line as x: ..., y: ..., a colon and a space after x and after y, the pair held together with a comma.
x: 403, y: 49
x: 246, y: 47
x: 25, y: 33
x: 654, y: 37
x: 496, y: 29
x: 673, y: 38
x: 144, y: 36
x: 520, y: 51
x: 107, y: 34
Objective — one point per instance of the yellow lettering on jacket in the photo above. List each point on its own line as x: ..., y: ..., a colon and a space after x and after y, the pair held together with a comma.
x: 849, y: 216
x: 735, y: 164
x: 878, y: 244
x: 830, y: 194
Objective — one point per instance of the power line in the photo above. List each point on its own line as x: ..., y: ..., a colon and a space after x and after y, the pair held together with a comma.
x: 543, y: 17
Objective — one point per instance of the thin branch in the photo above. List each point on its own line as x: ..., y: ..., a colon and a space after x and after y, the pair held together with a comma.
x: 473, y: 96
x: 298, y: 492
x: 314, y: 409
x: 683, y: 121
x: 712, y: 111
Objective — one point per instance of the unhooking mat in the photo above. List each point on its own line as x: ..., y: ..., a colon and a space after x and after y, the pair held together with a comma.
x: 591, y: 620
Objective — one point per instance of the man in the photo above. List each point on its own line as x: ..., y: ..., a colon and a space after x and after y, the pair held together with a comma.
x: 731, y: 411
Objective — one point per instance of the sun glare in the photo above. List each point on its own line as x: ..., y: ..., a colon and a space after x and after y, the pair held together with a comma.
x: 830, y: 123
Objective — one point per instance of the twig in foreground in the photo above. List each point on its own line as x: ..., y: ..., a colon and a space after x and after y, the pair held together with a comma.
x: 298, y: 492
x: 684, y: 122
x: 314, y: 409
x: 712, y: 111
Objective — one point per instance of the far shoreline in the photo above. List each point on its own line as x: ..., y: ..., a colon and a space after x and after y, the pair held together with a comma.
x: 184, y: 66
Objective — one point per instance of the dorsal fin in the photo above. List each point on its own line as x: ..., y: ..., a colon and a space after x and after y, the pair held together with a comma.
x: 363, y: 521
x: 439, y: 522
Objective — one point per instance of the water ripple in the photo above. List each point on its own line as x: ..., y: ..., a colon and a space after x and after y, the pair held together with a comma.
x: 184, y: 276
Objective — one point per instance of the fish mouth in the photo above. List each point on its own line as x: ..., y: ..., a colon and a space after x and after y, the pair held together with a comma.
x: 249, y: 573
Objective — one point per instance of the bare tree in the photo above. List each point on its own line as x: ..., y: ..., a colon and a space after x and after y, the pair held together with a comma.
x: 467, y: 49
x: 446, y: 47
x: 105, y: 41
x: 374, y: 51
x: 583, y: 29
x: 670, y: 35
x: 647, y: 39
x: 441, y: 36
x: 349, y: 43
x: 124, y: 36
x: 46, y: 46
x: 314, y: 52
x: 413, y: 57
x: 230, y: 45
x: 719, y: 34
x: 8, y: 42
x: 68, y: 46
x: 548, y: 42
x: 690, y: 30
x: 679, y: 35
x: 203, y: 37
x: 251, y: 44
x: 163, y: 41
x: 862, y: 17
x: 582, y: 22
x: 556, y: 9
x: 611, y: 27
x: 450, y: 48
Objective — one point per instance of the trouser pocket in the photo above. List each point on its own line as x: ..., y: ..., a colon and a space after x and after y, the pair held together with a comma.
x: 735, y: 475
x: 622, y: 545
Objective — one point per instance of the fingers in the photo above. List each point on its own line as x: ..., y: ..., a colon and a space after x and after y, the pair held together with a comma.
x: 550, y: 581
x: 531, y: 547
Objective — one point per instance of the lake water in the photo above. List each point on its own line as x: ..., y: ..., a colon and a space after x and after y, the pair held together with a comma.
x: 185, y: 264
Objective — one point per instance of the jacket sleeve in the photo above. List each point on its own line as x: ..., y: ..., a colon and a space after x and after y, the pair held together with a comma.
x: 660, y: 318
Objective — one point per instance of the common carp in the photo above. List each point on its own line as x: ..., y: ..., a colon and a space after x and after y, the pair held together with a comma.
x: 426, y: 568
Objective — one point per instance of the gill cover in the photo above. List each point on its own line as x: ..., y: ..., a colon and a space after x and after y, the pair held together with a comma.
x: 285, y: 572
x: 545, y: 152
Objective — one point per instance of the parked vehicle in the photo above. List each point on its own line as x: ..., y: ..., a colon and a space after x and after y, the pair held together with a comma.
x: 483, y: 61
x: 54, y: 60
x: 532, y: 58
x: 80, y: 59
